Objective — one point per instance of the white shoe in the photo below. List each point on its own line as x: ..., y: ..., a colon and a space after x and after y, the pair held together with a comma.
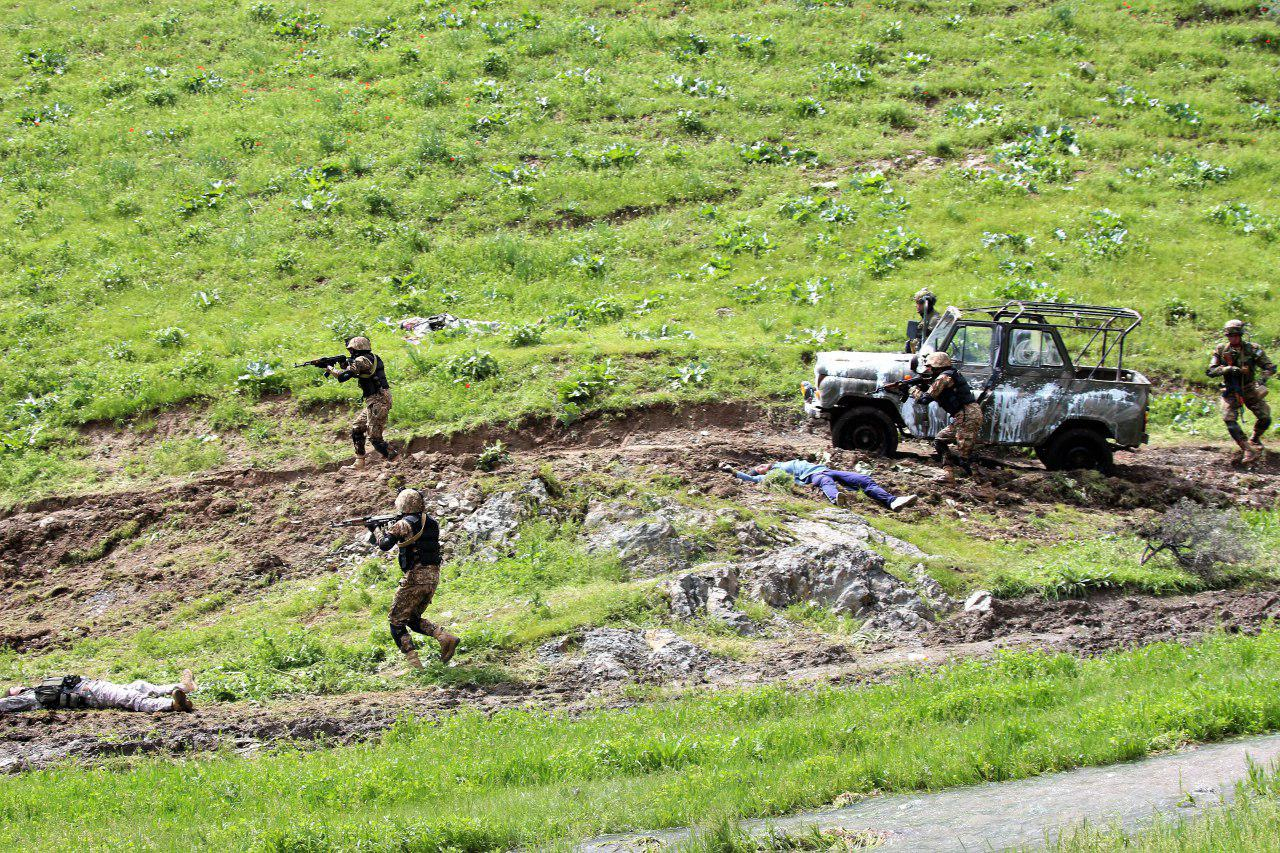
x: 898, y: 503
x: 188, y: 681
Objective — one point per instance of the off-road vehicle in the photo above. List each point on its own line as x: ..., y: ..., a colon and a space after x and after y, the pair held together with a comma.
x: 1049, y: 376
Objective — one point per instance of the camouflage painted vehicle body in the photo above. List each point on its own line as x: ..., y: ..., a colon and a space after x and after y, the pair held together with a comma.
x: 1073, y: 409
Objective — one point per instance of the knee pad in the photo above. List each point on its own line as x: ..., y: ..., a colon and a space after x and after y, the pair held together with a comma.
x: 1233, y: 428
x: 381, y: 446
x: 357, y: 438
x: 940, y: 448
x: 400, y: 634
x: 1261, y: 426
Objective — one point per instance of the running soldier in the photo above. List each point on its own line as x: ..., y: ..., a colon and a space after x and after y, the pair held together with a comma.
x: 370, y: 374
x: 1244, y: 369
x: 950, y: 390
x: 71, y: 692
x: 925, y: 302
x: 418, y: 537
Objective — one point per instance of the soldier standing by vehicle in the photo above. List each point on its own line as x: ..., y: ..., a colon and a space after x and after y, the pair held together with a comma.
x: 950, y: 390
x: 418, y: 537
x: 925, y: 302
x: 370, y: 374
x: 1244, y: 369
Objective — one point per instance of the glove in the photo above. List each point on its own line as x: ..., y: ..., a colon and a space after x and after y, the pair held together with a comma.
x: 917, y: 394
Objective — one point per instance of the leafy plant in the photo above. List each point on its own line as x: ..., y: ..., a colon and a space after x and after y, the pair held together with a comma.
x: 740, y: 238
x: 810, y: 108
x: 261, y: 377
x: 170, y: 336
x: 525, y: 335
x: 614, y: 155
x: 763, y: 151
x: 587, y: 383
x: 843, y: 76
x: 892, y: 249
x: 492, y: 456
x: 471, y: 366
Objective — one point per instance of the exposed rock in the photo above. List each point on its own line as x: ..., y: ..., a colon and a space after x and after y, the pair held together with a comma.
x: 612, y: 654
x: 900, y: 620
x: 492, y: 527
x: 931, y: 591
x: 840, y: 527
x: 978, y: 602
x: 846, y: 578
x: 710, y: 591
x: 646, y: 543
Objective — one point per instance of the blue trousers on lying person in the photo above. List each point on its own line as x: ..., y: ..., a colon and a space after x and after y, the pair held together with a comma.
x: 825, y: 479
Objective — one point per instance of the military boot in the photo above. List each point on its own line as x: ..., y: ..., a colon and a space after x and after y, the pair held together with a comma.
x: 181, y: 702
x: 448, y: 645
x: 361, y: 461
x: 411, y: 658
x: 1257, y: 444
x: 1247, y: 454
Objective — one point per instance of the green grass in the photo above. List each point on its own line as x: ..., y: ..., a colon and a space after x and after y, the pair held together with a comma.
x: 519, y: 778
x: 207, y: 192
x: 1250, y: 822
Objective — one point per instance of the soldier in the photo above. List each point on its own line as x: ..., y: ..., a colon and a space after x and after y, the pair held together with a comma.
x: 71, y: 692
x: 418, y: 536
x: 950, y: 390
x: 1244, y: 369
x: 925, y: 300
x: 370, y: 374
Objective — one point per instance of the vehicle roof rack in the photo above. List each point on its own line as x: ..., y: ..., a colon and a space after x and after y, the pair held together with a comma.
x: 1110, y: 324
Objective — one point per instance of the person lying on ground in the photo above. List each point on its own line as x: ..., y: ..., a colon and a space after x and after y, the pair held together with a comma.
x: 71, y: 692
x: 826, y: 480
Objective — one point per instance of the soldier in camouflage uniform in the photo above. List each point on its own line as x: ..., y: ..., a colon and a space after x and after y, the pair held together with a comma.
x: 370, y: 374
x: 951, y: 391
x: 1244, y: 369
x: 925, y: 300
x: 418, y: 537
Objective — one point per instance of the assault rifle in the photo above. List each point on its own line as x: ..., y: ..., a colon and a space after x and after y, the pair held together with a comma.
x: 326, y: 362
x: 904, y: 384
x: 369, y: 521
x: 1232, y: 383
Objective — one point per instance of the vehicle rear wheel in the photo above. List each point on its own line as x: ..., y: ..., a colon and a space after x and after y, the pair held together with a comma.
x: 1076, y: 448
x: 865, y: 429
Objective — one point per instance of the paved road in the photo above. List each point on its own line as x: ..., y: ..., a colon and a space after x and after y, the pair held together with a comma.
x: 1025, y: 813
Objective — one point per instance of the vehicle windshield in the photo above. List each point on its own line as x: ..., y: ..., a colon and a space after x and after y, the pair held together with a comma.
x: 940, y: 331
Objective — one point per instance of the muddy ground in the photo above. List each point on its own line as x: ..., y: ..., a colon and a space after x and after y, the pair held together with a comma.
x: 100, y: 564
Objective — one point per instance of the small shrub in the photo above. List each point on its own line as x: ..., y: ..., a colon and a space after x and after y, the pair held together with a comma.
x: 892, y: 249
x: 587, y: 383
x: 525, y: 335
x: 170, y: 337
x: 810, y: 108
x: 1180, y: 410
x: 492, y: 456
x: 471, y: 366
x: 763, y: 151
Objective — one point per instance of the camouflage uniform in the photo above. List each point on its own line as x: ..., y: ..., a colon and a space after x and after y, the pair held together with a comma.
x: 1244, y: 389
x: 929, y: 318
x: 965, y: 429
x: 418, y: 537
x: 370, y: 374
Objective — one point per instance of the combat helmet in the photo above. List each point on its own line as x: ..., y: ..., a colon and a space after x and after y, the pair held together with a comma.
x: 1233, y: 327
x: 924, y: 294
x: 937, y: 360
x: 409, y: 502
x: 359, y: 343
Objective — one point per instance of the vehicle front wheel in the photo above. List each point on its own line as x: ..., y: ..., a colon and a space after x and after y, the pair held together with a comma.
x: 865, y: 429
x: 1074, y: 449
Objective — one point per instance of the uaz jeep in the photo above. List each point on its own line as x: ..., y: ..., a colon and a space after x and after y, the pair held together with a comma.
x: 1049, y: 376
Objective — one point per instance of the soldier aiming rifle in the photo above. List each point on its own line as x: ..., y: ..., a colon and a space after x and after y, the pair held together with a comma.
x: 417, y: 535
x: 370, y: 374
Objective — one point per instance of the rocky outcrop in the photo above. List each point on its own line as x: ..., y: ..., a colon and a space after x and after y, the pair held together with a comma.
x: 845, y: 578
x: 613, y: 654
x: 711, y: 592
x: 490, y: 530
x: 646, y: 543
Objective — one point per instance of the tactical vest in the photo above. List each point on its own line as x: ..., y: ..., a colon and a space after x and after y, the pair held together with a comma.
x: 423, y: 547
x: 1246, y: 358
x: 376, y: 382
x: 59, y: 692
x: 958, y: 395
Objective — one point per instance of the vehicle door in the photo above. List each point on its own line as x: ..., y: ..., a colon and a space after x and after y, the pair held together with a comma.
x: 1031, y: 392
x: 972, y: 345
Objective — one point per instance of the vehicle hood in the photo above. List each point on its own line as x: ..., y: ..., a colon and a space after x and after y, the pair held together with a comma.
x: 877, y: 367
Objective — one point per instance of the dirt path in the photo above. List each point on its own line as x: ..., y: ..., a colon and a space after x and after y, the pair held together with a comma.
x: 800, y: 659
x: 1021, y: 814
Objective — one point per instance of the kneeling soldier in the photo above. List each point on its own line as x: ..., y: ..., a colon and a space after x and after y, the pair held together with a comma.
x: 371, y: 375
x: 418, y: 536
x: 1244, y: 369
x: 950, y: 390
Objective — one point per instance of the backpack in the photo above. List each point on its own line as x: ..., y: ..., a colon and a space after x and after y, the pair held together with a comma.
x: 59, y: 692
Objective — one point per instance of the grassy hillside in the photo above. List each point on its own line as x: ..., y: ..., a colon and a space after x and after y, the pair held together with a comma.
x: 653, y: 199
